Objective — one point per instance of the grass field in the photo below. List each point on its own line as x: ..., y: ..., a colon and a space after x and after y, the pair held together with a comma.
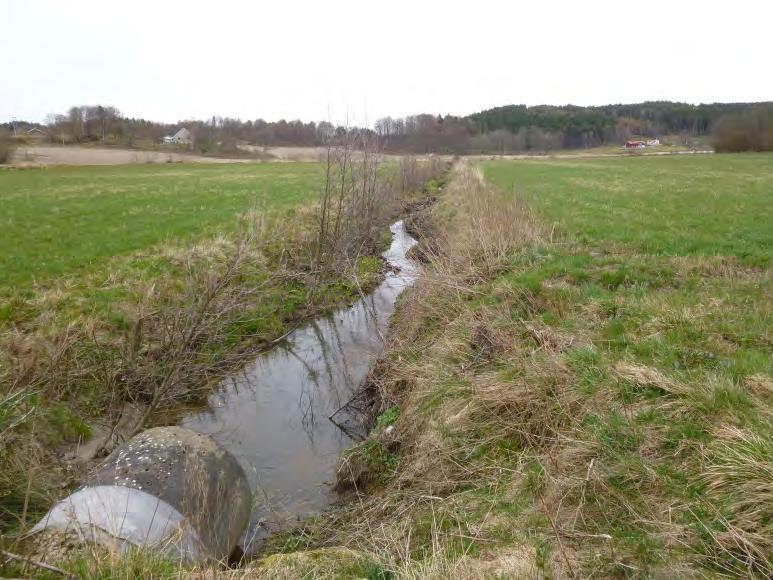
x: 662, y: 205
x: 56, y: 221
x: 660, y: 278
x: 582, y: 385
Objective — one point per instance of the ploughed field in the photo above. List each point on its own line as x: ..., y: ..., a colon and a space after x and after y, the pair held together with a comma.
x: 59, y: 221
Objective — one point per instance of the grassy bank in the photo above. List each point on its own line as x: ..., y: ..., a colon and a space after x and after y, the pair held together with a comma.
x: 129, y: 291
x: 580, y: 384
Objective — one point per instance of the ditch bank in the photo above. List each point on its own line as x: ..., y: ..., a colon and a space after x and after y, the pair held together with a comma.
x: 262, y: 454
x: 287, y: 416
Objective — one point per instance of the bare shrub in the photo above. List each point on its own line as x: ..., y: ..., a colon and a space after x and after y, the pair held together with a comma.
x: 361, y: 195
x: 416, y: 174
x: 7, y: 147
x: 351, y: 203
x: 750, y: 131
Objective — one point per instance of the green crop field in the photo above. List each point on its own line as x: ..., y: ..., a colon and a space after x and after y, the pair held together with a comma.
x: 679, y: 205
x: 56, y: 221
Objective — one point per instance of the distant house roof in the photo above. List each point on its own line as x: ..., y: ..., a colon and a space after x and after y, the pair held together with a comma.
x: 182, y: 136
x: 36, y: 130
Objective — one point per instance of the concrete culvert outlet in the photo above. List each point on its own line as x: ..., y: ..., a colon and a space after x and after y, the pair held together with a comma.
x: 169, y: 489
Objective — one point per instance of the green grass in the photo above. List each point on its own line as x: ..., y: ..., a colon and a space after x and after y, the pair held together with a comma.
x: 683, y: 205
x: 57, y: 221
x: 661, y: 266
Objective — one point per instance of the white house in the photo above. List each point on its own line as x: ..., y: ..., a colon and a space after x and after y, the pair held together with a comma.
x: 653, y: 142
x: 182, y: 136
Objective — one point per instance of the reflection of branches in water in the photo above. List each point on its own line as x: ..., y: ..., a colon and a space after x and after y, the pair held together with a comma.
x: 369, y: 308
x: 323, y: 349
x: 374, y: 319
x: 311, y: 371
x: 307, y: 410
x: 345, y: 370
x: 306, y: 407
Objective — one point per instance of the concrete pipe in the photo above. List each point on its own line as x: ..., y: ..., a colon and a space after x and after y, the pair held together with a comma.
x: 168, y: 489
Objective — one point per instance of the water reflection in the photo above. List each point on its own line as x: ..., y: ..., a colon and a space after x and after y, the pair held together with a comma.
x: 274, y: 415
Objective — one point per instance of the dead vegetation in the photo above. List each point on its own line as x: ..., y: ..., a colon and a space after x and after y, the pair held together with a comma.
x: 7, y: 147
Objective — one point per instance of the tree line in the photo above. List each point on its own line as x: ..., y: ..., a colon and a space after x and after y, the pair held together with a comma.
x: 507, y: 129
x: 519, y: 128
x: 104, y: 123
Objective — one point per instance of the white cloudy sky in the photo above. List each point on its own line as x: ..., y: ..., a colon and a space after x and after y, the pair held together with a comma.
x: 326, y: 59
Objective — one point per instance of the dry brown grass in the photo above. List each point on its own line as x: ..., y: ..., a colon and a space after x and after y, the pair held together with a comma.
x: 648, y: 377
x: 739, y: 476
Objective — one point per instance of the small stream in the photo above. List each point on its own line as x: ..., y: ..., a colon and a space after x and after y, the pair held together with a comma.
x: 273, y: 416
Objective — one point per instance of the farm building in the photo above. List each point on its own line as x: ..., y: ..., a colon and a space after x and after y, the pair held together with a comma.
x: 35, y: 134
x: 635, y: 144
x: 182, y: 136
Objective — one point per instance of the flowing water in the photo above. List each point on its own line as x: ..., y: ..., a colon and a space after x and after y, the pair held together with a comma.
x: 274, y: 415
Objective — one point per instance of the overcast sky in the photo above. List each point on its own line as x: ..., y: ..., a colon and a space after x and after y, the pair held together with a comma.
x: 326, y: 59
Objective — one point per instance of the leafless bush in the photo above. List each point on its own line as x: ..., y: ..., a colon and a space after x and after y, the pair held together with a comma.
x: 7, y: 147
x: 349, y: 200
x: 418, y: 174
x: 751, y: 131
x: 360, y: 197
x: 176, y: 368
x: 173, y: 354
